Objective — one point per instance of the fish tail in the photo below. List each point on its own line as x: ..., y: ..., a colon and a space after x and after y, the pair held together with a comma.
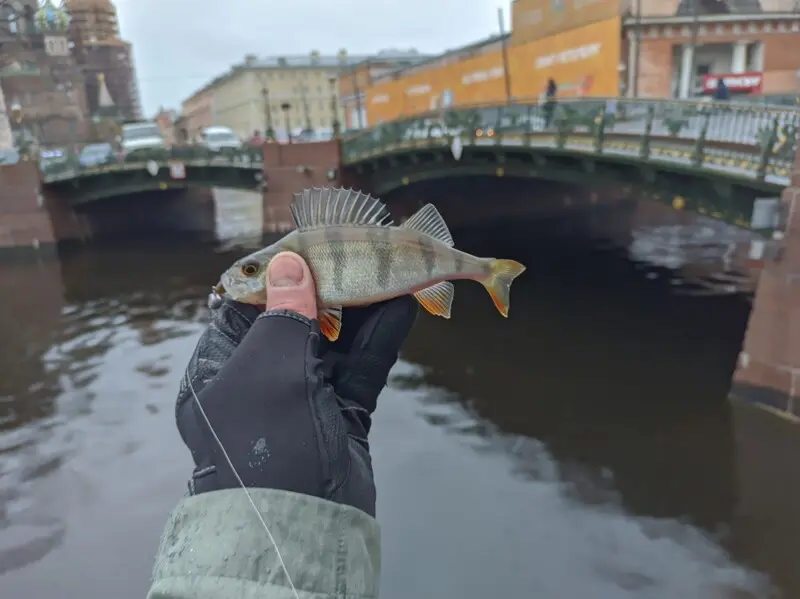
x: 498, y: 283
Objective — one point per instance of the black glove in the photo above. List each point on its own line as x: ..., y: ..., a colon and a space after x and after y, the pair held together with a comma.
x: 291, y: 410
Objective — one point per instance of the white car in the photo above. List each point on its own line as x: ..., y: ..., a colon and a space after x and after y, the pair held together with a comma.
x: 140, y: 136
x: 217, y: 138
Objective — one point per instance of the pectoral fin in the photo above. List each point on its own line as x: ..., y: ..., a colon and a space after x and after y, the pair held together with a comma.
x: 437, y: 299
x: 330, y: 322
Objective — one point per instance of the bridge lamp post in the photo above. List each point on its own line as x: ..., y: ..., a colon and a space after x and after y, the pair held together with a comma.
x: 269, y: 132
x: 335, y: 109
x: 286, y: 107
x: 16, y: 113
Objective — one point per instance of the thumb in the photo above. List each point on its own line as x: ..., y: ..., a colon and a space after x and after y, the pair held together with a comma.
x: 290, y: 285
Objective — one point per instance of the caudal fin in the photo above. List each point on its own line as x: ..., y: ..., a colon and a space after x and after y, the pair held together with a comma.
x: 498, y: 283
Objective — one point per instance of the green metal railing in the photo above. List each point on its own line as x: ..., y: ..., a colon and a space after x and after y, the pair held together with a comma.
x: 754, y: 141
x: 189, y: 156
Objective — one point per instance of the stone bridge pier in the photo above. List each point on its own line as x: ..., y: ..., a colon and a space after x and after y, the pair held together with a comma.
x: 768, y: 369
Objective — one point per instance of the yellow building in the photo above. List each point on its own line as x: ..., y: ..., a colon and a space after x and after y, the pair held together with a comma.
x: 251, y: 93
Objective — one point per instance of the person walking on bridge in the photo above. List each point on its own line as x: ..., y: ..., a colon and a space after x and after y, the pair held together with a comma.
x: 281, y: 502
x: 550, y: 92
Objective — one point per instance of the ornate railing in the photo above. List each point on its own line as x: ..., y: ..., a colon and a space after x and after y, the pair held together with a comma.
x: 70, y: 168
x: 747, y: 140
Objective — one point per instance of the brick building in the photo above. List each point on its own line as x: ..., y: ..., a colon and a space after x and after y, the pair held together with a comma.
x: 40, y: 78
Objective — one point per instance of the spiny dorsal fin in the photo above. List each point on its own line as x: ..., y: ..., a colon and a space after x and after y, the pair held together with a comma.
x: 428, y: 220
x: 322, y: 206
x: 437, y: 299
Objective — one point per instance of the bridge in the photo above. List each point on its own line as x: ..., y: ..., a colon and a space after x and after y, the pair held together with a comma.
x: 711, y: 158
x: 158, y: 169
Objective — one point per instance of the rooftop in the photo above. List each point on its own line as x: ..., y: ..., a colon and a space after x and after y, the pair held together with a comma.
x: 313, y: 60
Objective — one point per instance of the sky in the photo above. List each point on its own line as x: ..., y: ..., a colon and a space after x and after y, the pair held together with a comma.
x: 180, y: 45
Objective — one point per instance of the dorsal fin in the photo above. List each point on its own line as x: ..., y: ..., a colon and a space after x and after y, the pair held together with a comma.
x: 428, y: 220
x: 322, y: 206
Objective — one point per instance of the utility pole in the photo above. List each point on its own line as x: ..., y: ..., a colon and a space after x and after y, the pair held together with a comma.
x: 637, y: 56
x: 504, y: 46
x: 693, y: 45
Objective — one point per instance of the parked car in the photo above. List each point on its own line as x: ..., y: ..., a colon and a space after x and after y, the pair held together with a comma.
x: 97, y: 154
x: 143, y: 135
x: 217, y: 138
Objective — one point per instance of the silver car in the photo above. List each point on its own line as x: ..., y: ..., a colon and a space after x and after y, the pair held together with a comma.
x: 217, y: 138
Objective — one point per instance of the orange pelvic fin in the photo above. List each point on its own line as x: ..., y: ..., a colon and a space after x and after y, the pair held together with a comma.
x: 330, y: 322
x: 437, y: 299
x: 498, y: 283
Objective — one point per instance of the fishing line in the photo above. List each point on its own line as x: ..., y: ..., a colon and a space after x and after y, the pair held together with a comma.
x: 244, y: 488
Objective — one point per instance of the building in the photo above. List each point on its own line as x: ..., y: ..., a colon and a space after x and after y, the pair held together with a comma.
x: 99, y: 49
x: 754, y: 45
x: 298, y: 92
x: 197, y: 113
x: 605, y: 48
x: 42, y: 84
x: 165, y: 119
x: 354, y: 79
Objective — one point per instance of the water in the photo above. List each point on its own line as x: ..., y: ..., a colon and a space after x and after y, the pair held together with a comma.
x: 582, y: 448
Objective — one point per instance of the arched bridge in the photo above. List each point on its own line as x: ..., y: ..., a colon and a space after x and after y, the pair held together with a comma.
x: 156, y: 169
x: 713, y: 158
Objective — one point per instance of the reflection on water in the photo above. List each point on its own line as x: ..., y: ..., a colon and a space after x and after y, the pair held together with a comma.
x: 583, y: 447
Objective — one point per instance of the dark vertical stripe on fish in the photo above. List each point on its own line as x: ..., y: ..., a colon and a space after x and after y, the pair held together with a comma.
x: 334, y: 239
x: 459, y: 260
x: 428, y: 253
x: 378, y: 238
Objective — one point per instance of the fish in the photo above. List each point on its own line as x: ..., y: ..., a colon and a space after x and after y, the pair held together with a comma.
x: 357, y: 257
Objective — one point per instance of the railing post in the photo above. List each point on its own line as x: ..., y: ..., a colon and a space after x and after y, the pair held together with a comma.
x: 698, y: 156
x: 599, y: 130
x: 767, y: 148
x: 498, y: 128
x: 644, y: 148
x: 562, y: 128
x: 528, y: 127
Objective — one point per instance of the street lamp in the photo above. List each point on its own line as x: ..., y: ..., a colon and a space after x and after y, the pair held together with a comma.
x: 269, y: 132
x: 286, y: 107
x: 334, y: 108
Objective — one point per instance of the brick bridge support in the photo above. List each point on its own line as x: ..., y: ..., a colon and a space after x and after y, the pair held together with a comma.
x: 768, y: 370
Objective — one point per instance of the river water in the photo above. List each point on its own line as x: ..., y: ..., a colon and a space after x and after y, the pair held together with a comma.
x: 582, y: 448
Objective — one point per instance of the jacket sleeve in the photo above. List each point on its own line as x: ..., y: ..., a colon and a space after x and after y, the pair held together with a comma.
x: 215, y: 547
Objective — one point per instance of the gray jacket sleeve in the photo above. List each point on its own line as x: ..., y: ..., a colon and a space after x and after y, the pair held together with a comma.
x: 215, y: 547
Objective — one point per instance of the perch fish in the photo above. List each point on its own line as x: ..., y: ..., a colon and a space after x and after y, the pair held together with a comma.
x: 358, y: 257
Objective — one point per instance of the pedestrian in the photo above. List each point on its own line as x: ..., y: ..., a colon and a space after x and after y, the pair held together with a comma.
x: 550, y: 93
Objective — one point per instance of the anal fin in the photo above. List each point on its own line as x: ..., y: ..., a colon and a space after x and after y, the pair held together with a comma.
x: 437, y: 299
x: 330, y: 322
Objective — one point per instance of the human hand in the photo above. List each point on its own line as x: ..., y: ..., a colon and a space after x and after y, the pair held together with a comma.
x: 291, y: 410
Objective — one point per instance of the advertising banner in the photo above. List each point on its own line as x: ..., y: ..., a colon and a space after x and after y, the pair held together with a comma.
x: 583, y: 62
x: 735, y: 82
x: 536, y: 19
x: 471, y: 81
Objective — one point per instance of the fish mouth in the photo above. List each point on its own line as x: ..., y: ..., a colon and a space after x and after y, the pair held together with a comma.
x: 219, y: 289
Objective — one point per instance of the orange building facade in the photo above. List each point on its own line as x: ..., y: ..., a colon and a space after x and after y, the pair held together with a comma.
x: 581, y: 52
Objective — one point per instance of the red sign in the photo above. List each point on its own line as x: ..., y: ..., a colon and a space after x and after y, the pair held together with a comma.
x: 736, y: 82
x: 177, y: 170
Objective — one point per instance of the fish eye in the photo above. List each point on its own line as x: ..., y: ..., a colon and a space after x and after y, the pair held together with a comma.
x: 249, y: 268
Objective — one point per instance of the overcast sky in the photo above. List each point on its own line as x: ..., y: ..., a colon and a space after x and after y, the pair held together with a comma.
x: 179, y: 45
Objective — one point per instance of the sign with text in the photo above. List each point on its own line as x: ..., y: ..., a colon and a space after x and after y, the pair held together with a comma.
x: 177, y: 170
x: 736, y: 82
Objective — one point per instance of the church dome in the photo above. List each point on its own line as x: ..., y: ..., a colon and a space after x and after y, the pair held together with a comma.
x: 89, y: 5
x: 51, y: 18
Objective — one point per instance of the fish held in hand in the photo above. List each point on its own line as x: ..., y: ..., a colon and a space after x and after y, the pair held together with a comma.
x: 358, y: 257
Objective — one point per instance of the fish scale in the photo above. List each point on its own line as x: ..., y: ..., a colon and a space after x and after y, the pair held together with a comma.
x: 357, y: 257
